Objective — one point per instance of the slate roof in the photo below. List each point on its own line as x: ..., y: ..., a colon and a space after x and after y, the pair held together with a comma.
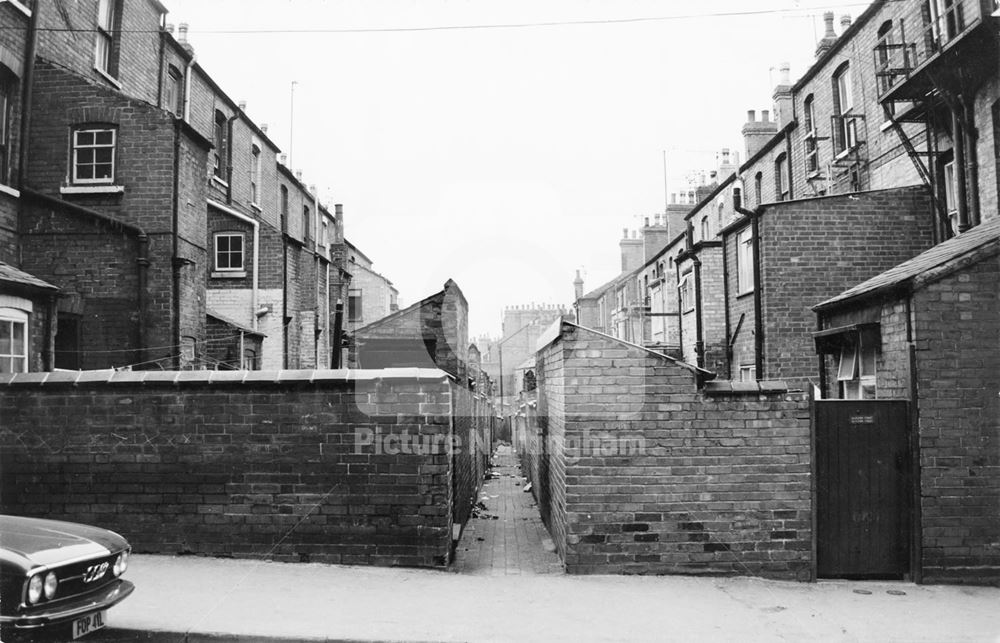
x: 954, y: 248
x: 235, y: 324
x: 11, y: 275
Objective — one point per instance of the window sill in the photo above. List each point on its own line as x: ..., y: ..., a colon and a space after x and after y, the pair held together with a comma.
x: 19, y: 6
x: 886, y: 125
x: 844, y: 154
x: 6, y: 189
x: 743, y: 294
x: 219, y: 182
x: 92, y: 189
x: 108, y: 77
x: 229, y: 274
x: 256, y: 207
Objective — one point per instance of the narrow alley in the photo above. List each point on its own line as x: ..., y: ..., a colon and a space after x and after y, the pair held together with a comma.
x: 505, y: 535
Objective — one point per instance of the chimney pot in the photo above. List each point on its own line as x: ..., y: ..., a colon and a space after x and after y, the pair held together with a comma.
x: 625, y: 233
x: 263, y: 127
x: 786, y: 73
x: 243, y: 105
x: 182, y: 32
x: 828, y: 19
x: 646, y: 222
x: 338, y: 209
x: 751, y: 116
x: 169, y: 27
x: 765, y: 116
x: 284, y: 159
x: 845, y: 23
x: 298, y: 175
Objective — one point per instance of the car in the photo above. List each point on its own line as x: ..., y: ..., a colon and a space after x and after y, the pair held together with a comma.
x: 58, y: 578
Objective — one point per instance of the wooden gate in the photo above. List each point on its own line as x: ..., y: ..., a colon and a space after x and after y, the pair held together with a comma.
x: 863, y: 489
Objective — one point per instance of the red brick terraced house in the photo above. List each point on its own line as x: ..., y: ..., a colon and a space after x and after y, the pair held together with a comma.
x: 157, y: 208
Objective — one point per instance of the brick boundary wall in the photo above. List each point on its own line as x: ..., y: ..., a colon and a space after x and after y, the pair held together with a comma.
x: 251, y: 464
x: 648, y: 474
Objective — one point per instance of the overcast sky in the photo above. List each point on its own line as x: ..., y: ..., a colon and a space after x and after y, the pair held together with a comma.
x: 503, y: 157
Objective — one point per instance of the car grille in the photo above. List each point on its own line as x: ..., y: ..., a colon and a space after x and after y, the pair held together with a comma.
x: 84, y: 576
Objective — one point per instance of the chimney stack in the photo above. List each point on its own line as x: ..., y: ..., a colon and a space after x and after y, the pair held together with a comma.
x: 783, y: 96
x: 298, y: 175
x: 757, y: 133
x: 632, y: 252
x: 284, y: 159
x: 169, y: 27
x: 182, y: 38
x: 578, y: 286
x: 830, y: 37
x: 654, y: 238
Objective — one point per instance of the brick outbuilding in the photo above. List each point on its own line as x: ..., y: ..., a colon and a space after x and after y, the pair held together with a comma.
x: 926, y: 332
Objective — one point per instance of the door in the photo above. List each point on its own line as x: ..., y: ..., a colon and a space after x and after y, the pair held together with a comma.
x: 863, y: 489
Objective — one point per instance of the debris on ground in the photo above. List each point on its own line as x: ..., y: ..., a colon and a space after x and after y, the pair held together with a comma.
x: 527, y: 488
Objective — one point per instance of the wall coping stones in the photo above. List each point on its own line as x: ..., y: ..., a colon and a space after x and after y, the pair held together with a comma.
x: 311, y: 376
x: 728, y: 387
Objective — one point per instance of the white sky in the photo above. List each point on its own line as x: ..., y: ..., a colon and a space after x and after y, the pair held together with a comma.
x: 504, y: 158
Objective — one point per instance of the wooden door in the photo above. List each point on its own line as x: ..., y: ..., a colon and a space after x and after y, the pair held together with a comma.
x: 863, y: 487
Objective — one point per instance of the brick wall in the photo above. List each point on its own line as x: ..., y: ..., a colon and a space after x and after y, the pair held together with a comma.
x: 67, y: 36
x: 814, y: 249
x: 474, y: 442
x: 267, y: 468
x: 958, y: 370
x: 647, y: 474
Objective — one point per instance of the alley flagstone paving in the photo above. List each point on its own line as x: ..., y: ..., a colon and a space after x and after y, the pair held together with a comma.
x: 507, y: 538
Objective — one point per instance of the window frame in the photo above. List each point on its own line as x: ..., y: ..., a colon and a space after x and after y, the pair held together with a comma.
x: 354, y: 305
x: 10, y: 317
x: 951, y: 193
x: 811, y: 146
x: 686, y: 291
x: 76, y: 147
x: 229, y: 252
x: 843, y: 109
x: 758, y: 187
x: 174, y: 99
x: 748, y: 372
x: 782, y: 190
x: 220, y: 137
x: 306, y: 224
x: 857, y: 371
x: 744, y: 261
x: 106, y: 34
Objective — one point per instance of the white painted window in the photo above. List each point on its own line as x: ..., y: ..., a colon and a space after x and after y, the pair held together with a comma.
x: 686, y: 288
x: 229, y: 251
x: 748, y: 373
x: 13, y: 340
x: 856, y: 372
x: 105, y: 44
x: 94, y: 156
x: 951, y: 195
x: 744, y: 261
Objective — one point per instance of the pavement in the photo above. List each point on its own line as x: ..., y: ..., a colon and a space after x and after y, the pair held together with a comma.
x: 509, y: 587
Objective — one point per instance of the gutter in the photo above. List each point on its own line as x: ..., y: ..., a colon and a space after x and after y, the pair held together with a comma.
x: 758, y: 322
x: 256, y: 254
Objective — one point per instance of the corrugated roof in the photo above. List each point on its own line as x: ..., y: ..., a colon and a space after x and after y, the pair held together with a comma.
x: 965, y: 243
x: 11, y: 275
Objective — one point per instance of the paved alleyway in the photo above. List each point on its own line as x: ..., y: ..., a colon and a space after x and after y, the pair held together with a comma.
x: 507, y: 537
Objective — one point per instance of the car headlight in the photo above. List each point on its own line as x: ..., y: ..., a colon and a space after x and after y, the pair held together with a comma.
x: 121, y: 563
x: 35, y: 588
x: 51, y: 583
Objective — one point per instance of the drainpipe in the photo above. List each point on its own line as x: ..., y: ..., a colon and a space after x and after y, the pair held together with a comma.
x: 958, y: 139
x: 255, y: 275
x: 48, y: 355
x: 338, y: 331
x: 229, y: 168
x: 972, y: 162
x: 316, y: 262
x: 680, y: 305
x: 176, y: 264
x: 27, y: 95
x: 699, y: 343
x: 758, y: 322
x: 187, y: 87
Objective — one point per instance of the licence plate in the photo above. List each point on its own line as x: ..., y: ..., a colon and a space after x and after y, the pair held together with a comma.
x: 90, y: 623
